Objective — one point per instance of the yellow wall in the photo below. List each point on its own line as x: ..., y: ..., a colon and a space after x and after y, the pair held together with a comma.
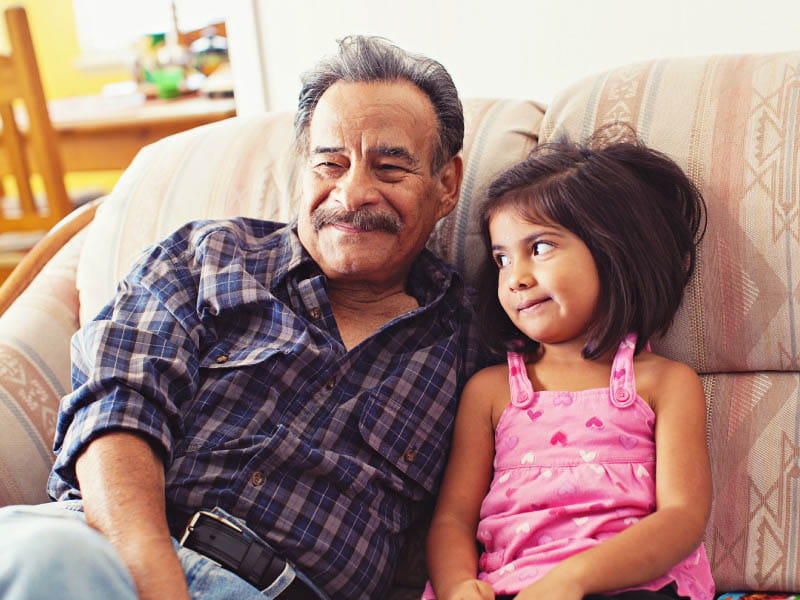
x: 52, y: 24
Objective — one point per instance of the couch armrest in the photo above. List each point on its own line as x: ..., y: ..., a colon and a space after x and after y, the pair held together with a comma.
x: 35, y: 335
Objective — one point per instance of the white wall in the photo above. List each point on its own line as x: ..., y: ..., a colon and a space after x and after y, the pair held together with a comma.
x: 508, y: 48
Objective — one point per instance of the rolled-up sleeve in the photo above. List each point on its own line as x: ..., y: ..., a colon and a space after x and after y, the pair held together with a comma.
x: 135, y: 363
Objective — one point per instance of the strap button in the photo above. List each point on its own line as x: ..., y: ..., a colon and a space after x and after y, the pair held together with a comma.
x: 257, y: 478
x: 222, y: 359
x: 621, y: 395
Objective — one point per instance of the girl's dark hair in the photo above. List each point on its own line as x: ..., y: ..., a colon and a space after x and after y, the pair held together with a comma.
x: 635, y: 209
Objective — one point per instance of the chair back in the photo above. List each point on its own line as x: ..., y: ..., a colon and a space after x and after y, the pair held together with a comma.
x: 28, y: 137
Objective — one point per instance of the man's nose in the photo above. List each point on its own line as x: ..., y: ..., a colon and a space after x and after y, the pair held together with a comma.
x: 357, y: 189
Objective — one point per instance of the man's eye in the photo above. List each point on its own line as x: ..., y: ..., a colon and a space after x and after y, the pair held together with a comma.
x: 327, y: 168
x: 388, y: 168
x: 540, y: 248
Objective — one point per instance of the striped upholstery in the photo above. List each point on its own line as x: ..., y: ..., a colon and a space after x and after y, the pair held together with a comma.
x: 733, y: 122
x: 34, y: 374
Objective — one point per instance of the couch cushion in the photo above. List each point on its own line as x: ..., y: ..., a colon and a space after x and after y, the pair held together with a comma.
x: 34, y: 374
x: 244, y: 166
x: 733, y: 123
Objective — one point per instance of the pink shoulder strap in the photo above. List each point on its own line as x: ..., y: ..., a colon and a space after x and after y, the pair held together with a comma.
x: 623, y: 382
x: 518, y: 381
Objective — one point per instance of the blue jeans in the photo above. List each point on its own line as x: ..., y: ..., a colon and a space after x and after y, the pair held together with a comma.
x: 48, y: 551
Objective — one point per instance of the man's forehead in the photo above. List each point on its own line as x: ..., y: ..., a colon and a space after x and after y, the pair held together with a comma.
x: 387, y: 118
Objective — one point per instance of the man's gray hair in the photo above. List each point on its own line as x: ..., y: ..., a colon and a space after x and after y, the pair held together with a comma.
x: 375, y: 59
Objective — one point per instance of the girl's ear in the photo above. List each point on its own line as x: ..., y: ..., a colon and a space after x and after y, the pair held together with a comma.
x: 449, y: 181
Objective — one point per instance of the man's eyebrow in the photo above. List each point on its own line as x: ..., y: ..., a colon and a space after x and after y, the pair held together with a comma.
x: 397, y: 152
x: 327, y: 149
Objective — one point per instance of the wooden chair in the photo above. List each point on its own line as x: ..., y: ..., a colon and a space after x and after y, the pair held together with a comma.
x: 28, y: 139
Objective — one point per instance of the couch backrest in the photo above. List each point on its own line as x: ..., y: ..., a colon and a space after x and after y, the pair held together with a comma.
x: 733, y: 123
x: 245, y: 166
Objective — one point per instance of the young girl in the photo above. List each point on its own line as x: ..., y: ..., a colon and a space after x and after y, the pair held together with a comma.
x: 553, y: 466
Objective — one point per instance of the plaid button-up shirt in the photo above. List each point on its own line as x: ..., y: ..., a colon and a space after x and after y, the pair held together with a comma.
x: 221, y: 349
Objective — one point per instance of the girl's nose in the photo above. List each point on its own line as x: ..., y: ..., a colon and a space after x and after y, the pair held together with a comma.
x: 521, y: 278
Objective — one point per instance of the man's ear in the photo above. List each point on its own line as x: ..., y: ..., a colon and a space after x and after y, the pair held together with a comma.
x: 449, y: 180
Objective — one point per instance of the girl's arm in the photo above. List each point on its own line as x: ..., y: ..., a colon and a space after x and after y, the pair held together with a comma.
x: 451, y: 547
x: 652, y: 546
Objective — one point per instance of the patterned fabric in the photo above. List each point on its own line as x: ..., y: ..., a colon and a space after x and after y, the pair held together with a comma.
x: 571, y: 470
x: 328, y: 454
x: 733, y: 123
x: 34, y: 374
x: 758, y: 596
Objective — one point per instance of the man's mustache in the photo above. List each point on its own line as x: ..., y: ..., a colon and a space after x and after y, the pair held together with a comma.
x: 364, y: 220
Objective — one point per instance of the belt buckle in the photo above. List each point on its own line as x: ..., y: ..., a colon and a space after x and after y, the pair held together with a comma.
x: 200, y: 514
x: 277, y: 568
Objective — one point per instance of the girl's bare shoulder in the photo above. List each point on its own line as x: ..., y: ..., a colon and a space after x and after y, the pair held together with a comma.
x: 488, y: 379
x: 489, y: 389
x: 658, y: 377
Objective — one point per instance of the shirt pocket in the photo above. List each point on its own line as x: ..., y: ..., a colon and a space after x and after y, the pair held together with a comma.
x: 237, y: 395
x: 411, y: 433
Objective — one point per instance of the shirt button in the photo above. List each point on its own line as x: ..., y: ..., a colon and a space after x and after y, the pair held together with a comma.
x: 410, y: 456
x: 315, y: 313
x: 257, y: 478
x: 330, y: 383
x: 222, y: 358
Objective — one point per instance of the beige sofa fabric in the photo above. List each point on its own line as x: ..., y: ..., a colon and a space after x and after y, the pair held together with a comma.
x: 733, y: 122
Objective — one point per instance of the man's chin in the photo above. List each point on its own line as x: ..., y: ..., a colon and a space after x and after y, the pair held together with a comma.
x: 357, y: 261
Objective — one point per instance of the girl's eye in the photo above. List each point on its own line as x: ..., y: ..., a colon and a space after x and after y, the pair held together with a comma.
x: 501, y: 260
x: 540, y: 248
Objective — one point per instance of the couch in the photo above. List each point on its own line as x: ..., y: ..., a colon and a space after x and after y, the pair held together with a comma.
x: 733, y: 122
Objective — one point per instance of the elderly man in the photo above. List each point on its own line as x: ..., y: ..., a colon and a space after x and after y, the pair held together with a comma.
x: 278, y: 397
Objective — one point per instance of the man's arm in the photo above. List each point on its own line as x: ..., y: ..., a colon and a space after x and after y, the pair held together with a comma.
x: 122, y: 484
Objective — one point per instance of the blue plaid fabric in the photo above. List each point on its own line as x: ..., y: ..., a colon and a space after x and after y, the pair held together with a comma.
x: 221, y: 348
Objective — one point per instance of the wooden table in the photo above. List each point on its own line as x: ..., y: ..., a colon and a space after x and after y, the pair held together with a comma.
x: 105, y: 132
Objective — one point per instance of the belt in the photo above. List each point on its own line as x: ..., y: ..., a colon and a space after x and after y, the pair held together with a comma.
x: 240, y: 551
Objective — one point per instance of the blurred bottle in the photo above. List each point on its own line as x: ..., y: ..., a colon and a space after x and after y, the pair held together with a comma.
x: 173, y: 62
x: 209, y: 52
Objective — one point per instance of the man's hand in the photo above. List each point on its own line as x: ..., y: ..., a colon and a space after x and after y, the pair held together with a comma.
x: 122, y: 484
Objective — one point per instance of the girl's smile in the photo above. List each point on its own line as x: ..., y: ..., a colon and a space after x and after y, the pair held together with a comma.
x: 531, y: 305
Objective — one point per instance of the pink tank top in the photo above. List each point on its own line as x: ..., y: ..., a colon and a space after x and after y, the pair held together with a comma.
x: 572, y: 469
